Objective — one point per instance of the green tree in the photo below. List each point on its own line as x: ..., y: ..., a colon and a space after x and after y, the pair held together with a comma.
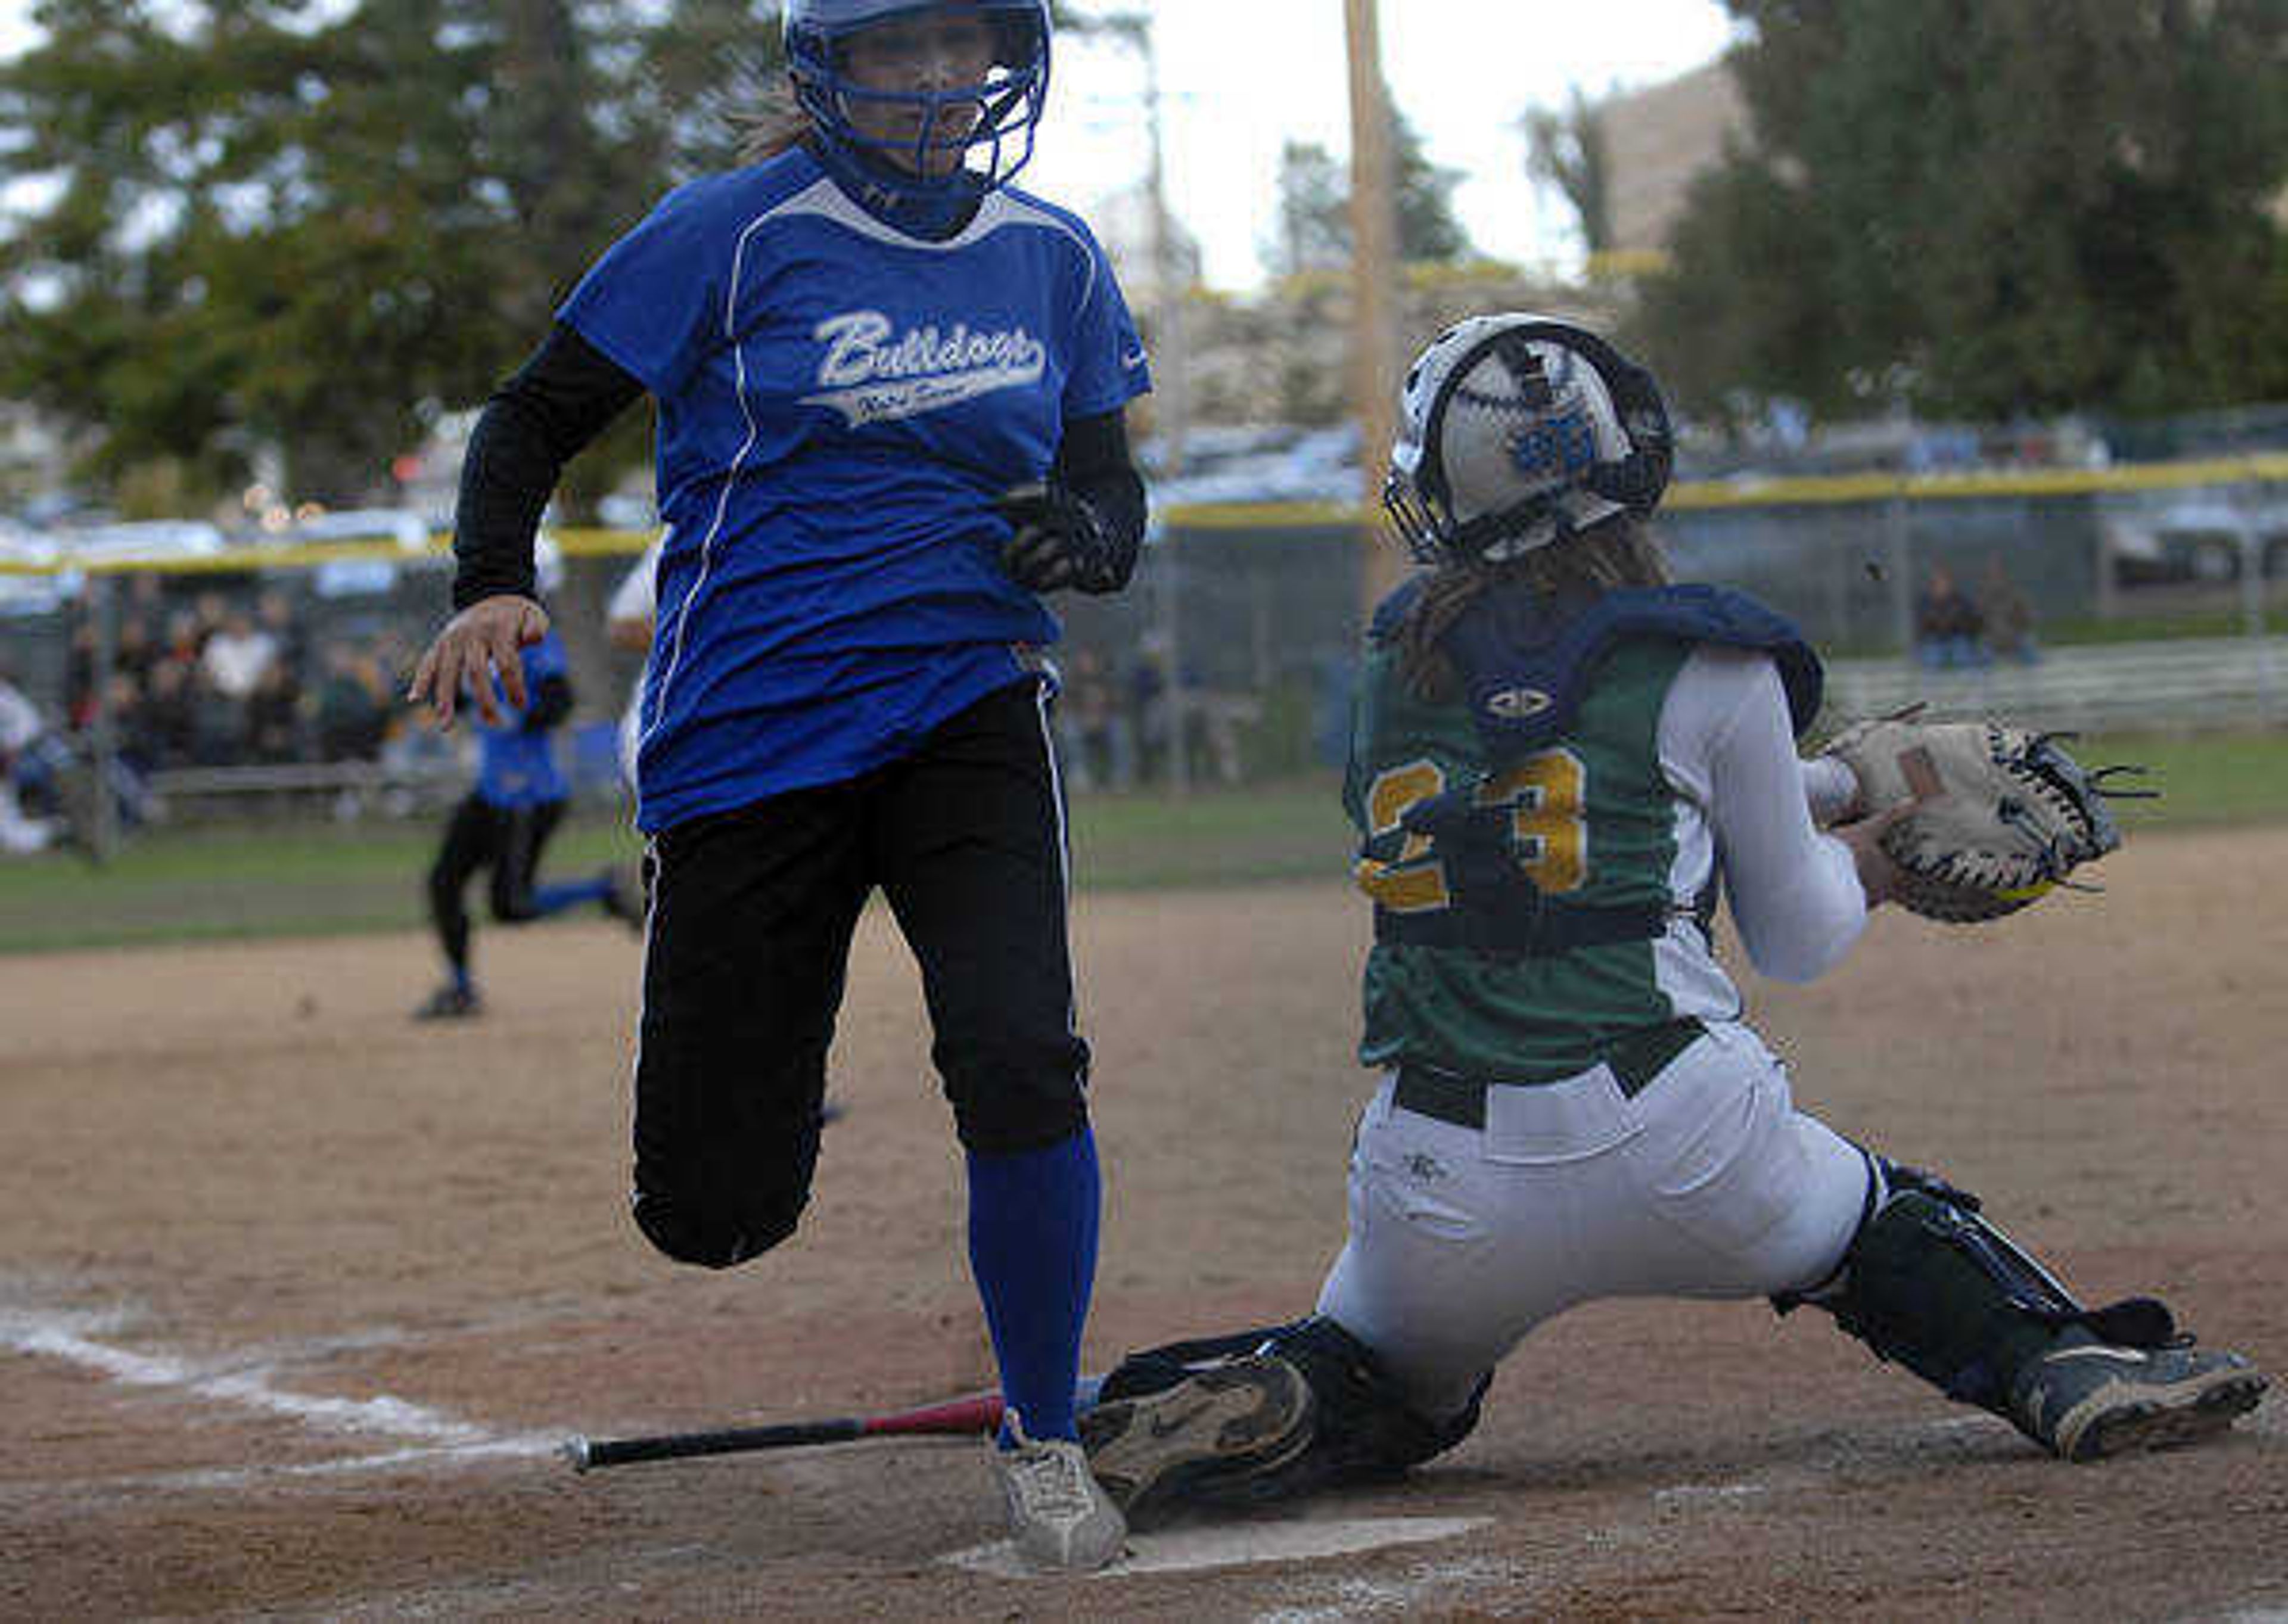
x: 1315, y: 193
x: 1566, y: 150
x: 1990, y: 207
x: 271, y: 223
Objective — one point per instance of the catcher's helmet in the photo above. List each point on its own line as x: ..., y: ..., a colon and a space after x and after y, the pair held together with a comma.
x: 1006, y: 105
x: 1517, y: 431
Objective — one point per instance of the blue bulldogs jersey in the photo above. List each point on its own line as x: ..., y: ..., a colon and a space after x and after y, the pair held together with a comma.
x: 517, y: 770
x: 839, y: 404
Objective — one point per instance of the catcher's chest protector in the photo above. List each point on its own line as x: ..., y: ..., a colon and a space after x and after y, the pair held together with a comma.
x: 1556, y: 741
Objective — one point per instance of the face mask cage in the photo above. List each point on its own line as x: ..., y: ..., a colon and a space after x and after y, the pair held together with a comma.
x: 1412, y: 519
x: 1000, y: 114
x: 1431, y: 535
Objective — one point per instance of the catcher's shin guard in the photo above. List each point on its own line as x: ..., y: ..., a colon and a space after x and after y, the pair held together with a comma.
x: 1928, y: 1283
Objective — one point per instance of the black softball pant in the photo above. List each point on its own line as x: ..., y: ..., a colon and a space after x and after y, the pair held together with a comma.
x: 751, y: 916
x: 482, y: 835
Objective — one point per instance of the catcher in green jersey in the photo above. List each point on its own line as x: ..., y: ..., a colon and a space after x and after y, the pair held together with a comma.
x: 1558, y: 759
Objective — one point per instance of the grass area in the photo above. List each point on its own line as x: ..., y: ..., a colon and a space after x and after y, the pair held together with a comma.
x: 318, y: 880
x: 2205, y: 779
x: 175, y: 887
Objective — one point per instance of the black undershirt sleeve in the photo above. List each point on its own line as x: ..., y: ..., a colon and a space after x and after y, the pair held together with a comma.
x: 531, y: 426
x: 1094, y: 461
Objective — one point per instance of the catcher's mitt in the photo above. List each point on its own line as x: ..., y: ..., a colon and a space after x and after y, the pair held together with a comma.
x: 2000, y: 815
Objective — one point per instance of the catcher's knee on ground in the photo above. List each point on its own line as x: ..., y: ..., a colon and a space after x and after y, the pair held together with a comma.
x: 1257, y: 1415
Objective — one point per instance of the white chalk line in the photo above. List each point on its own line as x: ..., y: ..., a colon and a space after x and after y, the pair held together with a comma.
x: 435, y: 1435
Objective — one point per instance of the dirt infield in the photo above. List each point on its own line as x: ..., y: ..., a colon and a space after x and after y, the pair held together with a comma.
x: 295, y: 1296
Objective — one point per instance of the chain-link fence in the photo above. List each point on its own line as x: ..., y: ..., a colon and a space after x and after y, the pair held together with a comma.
x: 1230, y: 658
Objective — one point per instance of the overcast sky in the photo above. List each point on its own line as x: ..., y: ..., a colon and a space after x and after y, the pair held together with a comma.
x: 1241, y: 77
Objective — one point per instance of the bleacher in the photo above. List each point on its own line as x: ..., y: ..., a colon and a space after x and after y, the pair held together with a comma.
x: 349, y: 790
x: 2182, y: 685
x: 344, y: 790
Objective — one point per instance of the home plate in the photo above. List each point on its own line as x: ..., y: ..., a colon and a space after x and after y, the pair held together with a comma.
x: 1232, y: 1545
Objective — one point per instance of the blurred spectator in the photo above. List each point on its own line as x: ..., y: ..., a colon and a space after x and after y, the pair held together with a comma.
x: 290, y: 644
x: 134, y: 736
x: 273, y: 716
x: 1948, y: 625
x: 79, y: 675
x: 2009, y: 617
x: 146, y: 598
x: 236, y: 654
x: 168, y: 711
x: 27, y: 773
x: 349, y: 712
x: 1099, y: 741
x: 208, y: 610
x: 135, y: 648
x: 185, y: 642
x: 1149, y: 704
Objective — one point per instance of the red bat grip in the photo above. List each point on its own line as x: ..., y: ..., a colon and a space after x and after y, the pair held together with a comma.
x: 979, y: 1414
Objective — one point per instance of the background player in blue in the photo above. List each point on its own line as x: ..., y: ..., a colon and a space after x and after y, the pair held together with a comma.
x: 1557, y: 758
x: 503, y: 824
x: 890, y: 393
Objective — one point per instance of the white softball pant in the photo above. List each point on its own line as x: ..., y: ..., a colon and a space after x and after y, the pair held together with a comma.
x: 1707, y: 1183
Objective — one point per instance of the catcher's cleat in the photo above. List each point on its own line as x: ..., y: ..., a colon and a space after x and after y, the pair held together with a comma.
x: 450, y: 1003
x: 1220, y: 1425
x: 2086, y: 1399
x: 1059, y: 1519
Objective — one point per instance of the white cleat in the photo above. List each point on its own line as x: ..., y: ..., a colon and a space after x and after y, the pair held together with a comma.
x: 1060, y: 1520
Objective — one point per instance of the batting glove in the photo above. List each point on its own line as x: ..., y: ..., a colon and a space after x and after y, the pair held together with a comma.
x: 1058, y: 541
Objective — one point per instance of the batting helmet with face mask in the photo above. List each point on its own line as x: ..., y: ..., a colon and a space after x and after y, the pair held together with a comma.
x: 1518, y: 431
x: 1006, y: 106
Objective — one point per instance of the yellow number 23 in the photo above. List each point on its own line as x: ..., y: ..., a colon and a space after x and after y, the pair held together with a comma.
x: 1547, y: 794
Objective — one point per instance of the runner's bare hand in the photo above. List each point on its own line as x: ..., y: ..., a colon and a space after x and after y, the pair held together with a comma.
x: 485, y: 639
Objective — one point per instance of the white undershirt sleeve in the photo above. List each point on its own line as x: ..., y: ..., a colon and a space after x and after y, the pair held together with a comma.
x: 1830, y: 788
x: 1795, y: 893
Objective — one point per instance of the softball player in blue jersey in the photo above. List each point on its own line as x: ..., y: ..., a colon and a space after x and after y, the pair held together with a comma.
x: 890, y: 390
x: 1558, y: 761
x: 503, y: 824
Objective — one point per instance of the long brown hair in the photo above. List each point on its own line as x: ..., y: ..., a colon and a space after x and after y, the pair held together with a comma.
x: 775, y: 122
x: 1619, y: 551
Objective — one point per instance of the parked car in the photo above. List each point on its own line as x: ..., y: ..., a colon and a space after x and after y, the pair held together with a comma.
x: 403, y: 530
x: 401, y: 526
x: 149, y: 540
x: 2195, y: 538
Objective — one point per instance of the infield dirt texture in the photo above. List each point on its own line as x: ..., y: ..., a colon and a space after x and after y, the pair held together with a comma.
x: 297, y: 1296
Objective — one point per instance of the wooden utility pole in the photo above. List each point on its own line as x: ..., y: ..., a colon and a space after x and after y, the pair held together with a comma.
x: 1374, y: 285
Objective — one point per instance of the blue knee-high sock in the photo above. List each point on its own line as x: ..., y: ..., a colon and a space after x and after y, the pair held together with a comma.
x: 1032, y: 1246
x: 548, y: 899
